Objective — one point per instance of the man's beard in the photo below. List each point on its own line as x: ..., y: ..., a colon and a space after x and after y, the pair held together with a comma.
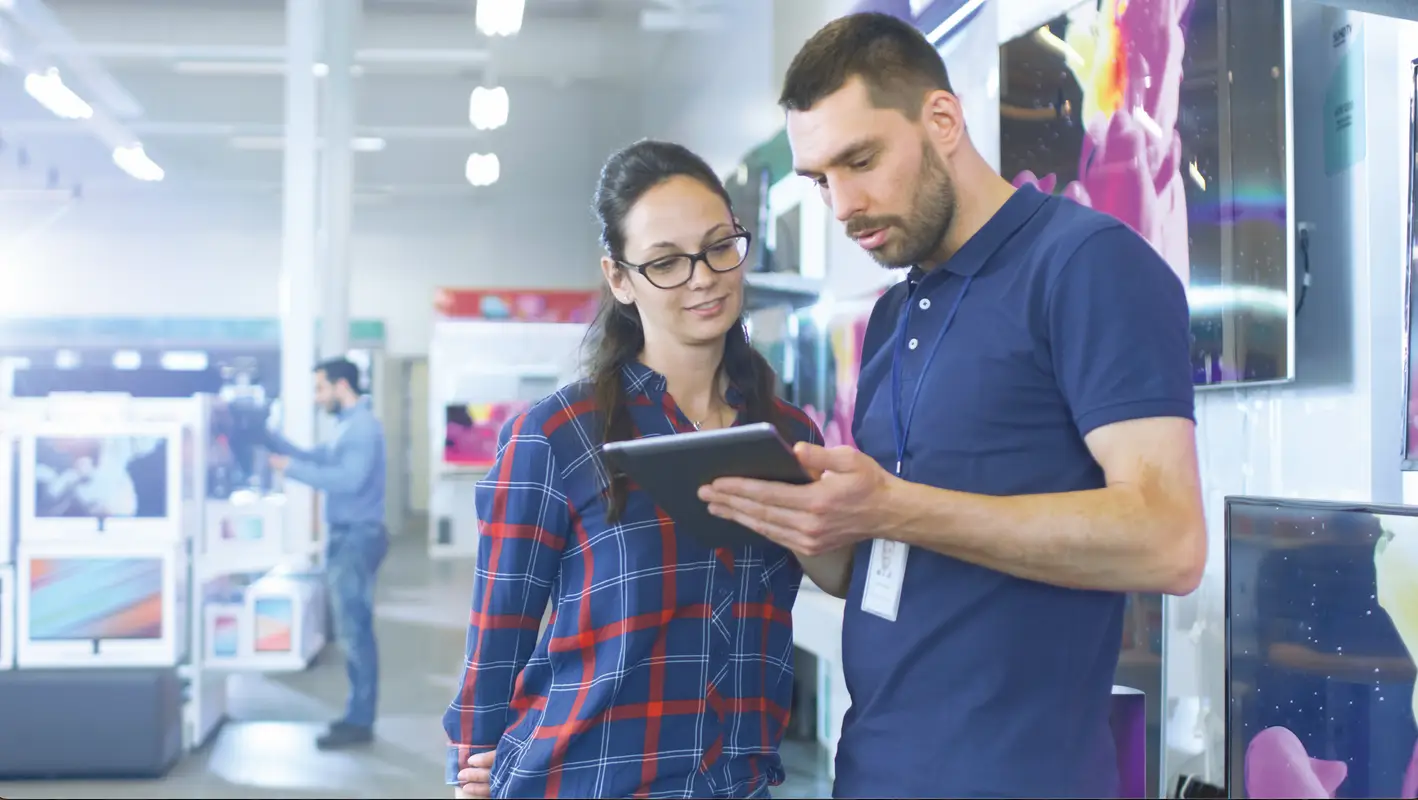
x: 921, y: 232
x: 333, y: 408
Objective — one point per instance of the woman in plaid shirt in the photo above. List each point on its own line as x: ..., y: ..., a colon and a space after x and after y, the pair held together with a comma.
x: 667, y: 668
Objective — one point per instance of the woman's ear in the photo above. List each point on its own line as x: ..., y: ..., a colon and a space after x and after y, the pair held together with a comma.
x: 617, y: 280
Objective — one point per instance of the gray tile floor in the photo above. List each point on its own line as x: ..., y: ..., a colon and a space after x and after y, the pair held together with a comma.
x: 266, y: 749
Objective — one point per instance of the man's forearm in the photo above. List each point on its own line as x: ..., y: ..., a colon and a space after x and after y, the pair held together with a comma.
x: 1113, y: 539
x: 832, y: 572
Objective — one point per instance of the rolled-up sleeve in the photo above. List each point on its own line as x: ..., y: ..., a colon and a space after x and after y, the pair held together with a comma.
x: 523, y: 520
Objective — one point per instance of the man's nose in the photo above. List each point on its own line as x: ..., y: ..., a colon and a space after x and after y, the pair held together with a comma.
x: 846, y: 201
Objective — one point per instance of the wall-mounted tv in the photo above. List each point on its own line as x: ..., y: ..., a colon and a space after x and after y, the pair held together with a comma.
x: 471, y: 429
x: 81, y: 481
x: 1410, y: 317
x: 97, y: 605
x: 1175, y: 118
x: 1321, y: 630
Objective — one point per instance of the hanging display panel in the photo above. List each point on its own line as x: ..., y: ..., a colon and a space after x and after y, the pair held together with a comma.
x: 1173, y: 116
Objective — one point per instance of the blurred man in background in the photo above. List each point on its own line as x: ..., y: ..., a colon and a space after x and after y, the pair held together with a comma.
x: 350, y: 470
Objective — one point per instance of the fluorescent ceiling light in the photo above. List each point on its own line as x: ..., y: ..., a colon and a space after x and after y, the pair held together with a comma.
x: 127, y: 359
x: 487, y: 108
x: 48, y: 90
x: 483, y: 169
x: 184, y: 360
x: 252, y: 68
x: 135, y: 162
x: 499, y: 17
x: 359, y: 144
x: 953, y: 21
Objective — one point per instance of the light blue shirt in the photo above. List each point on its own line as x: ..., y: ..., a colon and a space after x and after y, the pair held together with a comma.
x: 349, y: 468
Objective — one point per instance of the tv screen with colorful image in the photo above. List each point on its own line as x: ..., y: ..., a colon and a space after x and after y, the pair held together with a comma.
x: 471, y: 429
x: 226, y: 636
x: 275, y: 620
x: 243, y: 528
x: 1322, y: 626
x: 101, y: 476
x: 77, y: 598
x: 1172, y: 117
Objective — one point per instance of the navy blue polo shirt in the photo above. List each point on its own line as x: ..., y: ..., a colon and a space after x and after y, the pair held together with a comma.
x: 988, y: 685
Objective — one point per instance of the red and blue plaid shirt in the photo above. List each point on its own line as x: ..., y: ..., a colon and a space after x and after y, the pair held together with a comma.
x: 666, y: 669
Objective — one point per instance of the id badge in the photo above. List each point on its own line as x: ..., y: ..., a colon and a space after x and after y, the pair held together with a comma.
x: 885, y: 574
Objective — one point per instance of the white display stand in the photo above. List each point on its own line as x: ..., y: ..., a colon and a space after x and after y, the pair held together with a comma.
x: 285, y: 623
x: 7, y: 617
x: 7, y: 495
x: 485, y: 361
x: 244, y: 533
x: 58, y: 630
x: 198, y: 560
x: 817, y: 628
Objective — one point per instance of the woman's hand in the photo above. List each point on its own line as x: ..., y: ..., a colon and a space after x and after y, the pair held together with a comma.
x: 475, y: 780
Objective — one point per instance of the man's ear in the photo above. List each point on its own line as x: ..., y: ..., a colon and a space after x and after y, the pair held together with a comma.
x: 944, y: 119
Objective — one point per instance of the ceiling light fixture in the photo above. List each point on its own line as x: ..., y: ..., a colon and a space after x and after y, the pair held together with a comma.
x: 483, y: 169
x: 48, y: 90
x: 487, y: 108
x: 499, y: 17
x: 135, y: 162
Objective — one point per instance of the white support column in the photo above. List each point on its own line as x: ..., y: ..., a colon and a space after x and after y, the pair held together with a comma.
x: 298, y: 285
x: 342, y: 19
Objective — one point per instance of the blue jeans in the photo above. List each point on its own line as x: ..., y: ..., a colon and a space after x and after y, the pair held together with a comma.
x: 352, y: 560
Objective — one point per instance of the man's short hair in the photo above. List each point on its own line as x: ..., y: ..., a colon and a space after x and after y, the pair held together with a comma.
x: 895, y: 61
x: 340, y: 369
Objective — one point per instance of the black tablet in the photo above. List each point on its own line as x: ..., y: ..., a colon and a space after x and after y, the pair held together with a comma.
x: 672, y: 468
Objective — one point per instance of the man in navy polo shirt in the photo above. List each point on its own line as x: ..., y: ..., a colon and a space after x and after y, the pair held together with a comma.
x: 1025, y: 419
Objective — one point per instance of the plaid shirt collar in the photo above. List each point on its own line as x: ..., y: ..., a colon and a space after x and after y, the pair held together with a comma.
x: 642, y: 382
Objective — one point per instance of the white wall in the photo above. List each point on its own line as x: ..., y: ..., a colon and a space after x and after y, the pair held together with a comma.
x: 221, y: 258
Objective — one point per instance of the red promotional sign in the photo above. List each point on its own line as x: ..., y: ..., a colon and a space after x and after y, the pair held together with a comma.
x: 516, y: 305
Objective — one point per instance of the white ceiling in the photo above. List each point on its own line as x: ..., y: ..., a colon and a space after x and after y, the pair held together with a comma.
x: 199, y: 82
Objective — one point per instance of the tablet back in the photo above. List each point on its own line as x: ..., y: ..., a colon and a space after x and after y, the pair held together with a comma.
x: 672, y: 468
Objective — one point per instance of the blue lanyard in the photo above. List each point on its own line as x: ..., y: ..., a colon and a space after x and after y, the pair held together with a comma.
x: 902, y: 426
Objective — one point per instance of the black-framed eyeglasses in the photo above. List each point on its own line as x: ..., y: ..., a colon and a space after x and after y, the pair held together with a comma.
x: 672, y: 272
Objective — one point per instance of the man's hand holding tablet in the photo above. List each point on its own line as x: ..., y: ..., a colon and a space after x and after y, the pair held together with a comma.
x: 847, y: 502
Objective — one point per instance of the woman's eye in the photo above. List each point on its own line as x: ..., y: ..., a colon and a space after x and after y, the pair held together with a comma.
x: 861, y: 165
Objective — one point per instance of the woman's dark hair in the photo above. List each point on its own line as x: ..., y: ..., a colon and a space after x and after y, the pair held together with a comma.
x: 616, y: 338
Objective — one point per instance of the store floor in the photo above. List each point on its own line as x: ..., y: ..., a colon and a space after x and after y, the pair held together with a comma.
x: 267, y: 750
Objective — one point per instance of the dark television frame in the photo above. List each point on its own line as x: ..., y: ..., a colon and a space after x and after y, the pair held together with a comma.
x: 1410, y: 286
x: 1327, y: 506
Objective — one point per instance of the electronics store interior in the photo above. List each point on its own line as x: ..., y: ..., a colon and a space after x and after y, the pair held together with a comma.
x: 236, y: 235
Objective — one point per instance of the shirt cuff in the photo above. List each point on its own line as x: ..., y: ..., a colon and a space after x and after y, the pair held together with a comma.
x: 458, y: 755
x: 295, y: 470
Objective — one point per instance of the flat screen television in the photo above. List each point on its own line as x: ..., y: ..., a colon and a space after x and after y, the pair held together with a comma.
x: 83, y: 599
x: 1321, y: 630
x: 81, y: 481
x: 1410, y: 317
x: 1174, y: 117
x: 471, y: 431
x: 98, y: 605
x: 275, y: 624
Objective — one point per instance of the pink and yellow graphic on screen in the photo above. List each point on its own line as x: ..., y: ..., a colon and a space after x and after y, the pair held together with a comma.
x: 1127, y: 58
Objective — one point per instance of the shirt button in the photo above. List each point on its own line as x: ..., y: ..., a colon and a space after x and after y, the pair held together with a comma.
x: 925, y: 303
x: 912, y: 344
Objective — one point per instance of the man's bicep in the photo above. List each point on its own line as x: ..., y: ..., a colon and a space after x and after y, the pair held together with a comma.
x: 1153, y: 453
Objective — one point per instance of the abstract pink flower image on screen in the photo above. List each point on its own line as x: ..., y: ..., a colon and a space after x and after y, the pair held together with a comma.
x: 1129, y: 64
x: 1279, y: 766
x: 470, y: 435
